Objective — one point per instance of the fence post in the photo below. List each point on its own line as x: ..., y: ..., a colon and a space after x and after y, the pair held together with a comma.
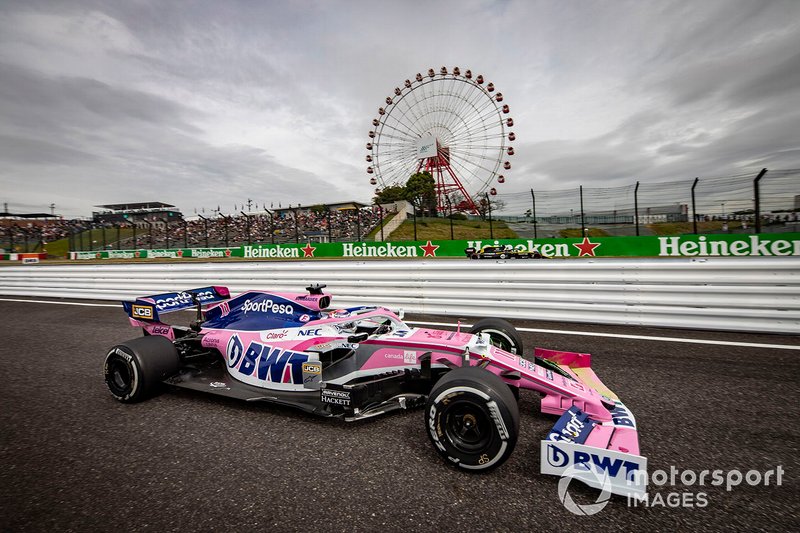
x: 330, y: 229
x: 185, y: 233
x: 103, y: 230
x: 296, y: 227
x: 757, y: 199
x: 694, y: 208
x: 583, y: 224
x: 450, y: 211
x: 205, y: 227
x: 380, y: 210
x: 489, y: 208
x: 271, y: 225
x: 247, y: 226
x: 415, y: 220
x: 118, y: 237
x: 358, y: 224
x: 166, y: 231
x: 533, y: 200
x: 135, y: 244
x: 636, y: 207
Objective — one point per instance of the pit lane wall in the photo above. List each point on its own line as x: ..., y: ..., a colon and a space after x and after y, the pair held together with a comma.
x: 761, y: 245
x: 755, y: 294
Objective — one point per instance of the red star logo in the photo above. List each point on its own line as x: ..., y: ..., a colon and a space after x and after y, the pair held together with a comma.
x: 429, y: 249
x: 227, y: 253
x: 308, y: 250
x: 137, y: 254
x: 179, y: 253
x: 586, y: 247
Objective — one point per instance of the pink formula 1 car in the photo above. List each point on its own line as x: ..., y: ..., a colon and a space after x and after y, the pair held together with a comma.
x: 360, y: 362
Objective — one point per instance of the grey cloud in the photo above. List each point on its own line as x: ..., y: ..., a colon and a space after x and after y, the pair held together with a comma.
x: 16, y: 150
x: 694, y: 88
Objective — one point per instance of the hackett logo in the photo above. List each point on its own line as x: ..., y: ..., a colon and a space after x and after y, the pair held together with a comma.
x: 752, y: 246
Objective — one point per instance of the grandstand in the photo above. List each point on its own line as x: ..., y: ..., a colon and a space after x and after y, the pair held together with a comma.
x: 136, y: 213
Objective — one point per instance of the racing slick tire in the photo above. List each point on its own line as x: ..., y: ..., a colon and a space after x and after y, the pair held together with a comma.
x: 503, y: 334
x: 135, y: 369
x: 472, y: 419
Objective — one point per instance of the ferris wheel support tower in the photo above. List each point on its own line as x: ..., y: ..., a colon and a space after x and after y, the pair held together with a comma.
x: 439, y: 167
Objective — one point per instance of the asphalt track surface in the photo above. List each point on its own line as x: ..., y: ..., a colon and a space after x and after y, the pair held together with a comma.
x: 72, y: 458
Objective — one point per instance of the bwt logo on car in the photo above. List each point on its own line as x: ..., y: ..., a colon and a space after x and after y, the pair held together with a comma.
x: 267, y: 306
x: 266, y: 362
x: 622, y: 417
x: 559, y: 458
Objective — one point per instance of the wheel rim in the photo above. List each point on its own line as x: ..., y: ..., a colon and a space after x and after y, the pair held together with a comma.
x: 119, y: 377
x: 467, y: 427
x: 500, y: 340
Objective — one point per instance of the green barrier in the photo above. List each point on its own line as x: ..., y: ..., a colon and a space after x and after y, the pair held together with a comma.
x: 762, y: 245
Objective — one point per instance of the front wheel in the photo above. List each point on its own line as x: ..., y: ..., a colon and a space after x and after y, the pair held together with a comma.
x: 135, y: 369
x: 472, y: 419
x: 501, y: 333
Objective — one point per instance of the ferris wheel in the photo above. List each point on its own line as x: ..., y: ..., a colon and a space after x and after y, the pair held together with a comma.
x: 450, y: 124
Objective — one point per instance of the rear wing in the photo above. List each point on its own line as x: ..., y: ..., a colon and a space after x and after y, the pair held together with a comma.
x: 148, y: 308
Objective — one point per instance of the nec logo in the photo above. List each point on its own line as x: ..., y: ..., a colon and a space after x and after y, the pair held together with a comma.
x: 308, y: 332
x: 145, y: 312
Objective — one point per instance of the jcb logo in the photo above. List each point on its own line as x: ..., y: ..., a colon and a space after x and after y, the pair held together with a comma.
x: 312, y: 368
x: 142, y: 311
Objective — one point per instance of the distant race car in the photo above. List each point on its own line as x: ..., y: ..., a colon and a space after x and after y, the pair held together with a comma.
x: 501, y: 252
x: 359, y: 362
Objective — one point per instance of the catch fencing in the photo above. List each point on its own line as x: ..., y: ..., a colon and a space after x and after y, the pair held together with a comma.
x: 735, y: 294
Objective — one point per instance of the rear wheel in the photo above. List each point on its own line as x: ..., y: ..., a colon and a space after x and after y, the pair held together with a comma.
x: 472, y: 419
x: 135, y: 369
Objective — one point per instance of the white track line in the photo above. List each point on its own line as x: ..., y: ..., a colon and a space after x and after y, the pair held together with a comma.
x: 529, y: 330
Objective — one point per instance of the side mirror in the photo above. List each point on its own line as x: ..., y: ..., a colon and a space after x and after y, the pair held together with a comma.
x: 355, y: 339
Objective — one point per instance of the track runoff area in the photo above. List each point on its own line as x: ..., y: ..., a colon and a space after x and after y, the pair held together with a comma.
x: 717, y: 415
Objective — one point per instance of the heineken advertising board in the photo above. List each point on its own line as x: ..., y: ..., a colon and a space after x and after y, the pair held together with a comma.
x: 762, y: 245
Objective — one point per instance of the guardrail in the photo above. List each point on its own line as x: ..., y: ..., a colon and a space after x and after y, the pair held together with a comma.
x: 747, y: 294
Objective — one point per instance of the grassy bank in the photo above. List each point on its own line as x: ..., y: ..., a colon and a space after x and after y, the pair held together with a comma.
x: 439, y: 229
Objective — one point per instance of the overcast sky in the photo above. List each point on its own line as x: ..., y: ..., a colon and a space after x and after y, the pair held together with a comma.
x: 210, y: 103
